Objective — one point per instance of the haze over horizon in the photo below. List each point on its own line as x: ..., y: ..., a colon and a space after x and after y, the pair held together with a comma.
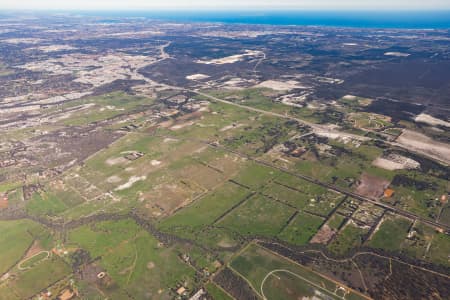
x: 225, y: 5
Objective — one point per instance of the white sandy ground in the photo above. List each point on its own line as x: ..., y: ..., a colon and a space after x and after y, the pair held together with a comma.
x: 423, y: 144
x: 225, y: 128
x: 430, y: 120
x: 113, y: 179
x: 197, y: 76
x: 169, y: 140
x: 337, y: 135
x: 397, y: 54
x: 116, y: 160
x: 22, y: 41
x: 19, y: 109
x: 54, y: 48
x: 349, y: 97
x: 395, y: 162
x: 108, y: 68
x: 131, y: 181
x: 155, y: 162
x: 230, y: 59
x: 281, y: 85
x: 180, y: 126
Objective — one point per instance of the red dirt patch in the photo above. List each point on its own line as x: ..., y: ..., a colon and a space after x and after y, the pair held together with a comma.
x: 372, y: 186
x: 324, y: 235
x: 34, y: 249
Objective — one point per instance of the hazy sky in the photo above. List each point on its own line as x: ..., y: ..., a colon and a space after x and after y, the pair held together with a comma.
x: 224, y: 4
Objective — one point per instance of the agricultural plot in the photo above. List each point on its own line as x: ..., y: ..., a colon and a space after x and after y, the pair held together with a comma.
x: 216, y: 121
x: 253, y: 97
x: 16, y: 238
x: 160, y: 174
x: 217, y: 293
x: 338, y: 163
x: 300, y: 230
x: 275, y: 277
x: 255, y: 176
x: 31, y: 281
x: 351, y: 236
x: 369, y: 121
x: 94, y: 109
x: 291, y: 195
x: 439, y: 250
x: 390, y: 234
x: 260, y: 135
x: 45, y: 204
x: 302, y: 195
x: 418, y: 240
x: 418, y: 193
x: 258, y: 215
x: 134, y: 260
x: 205, y: 211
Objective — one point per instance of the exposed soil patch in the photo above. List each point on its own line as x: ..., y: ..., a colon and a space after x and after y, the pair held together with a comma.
x: 324, y: 235
x: 372, y: 186
x: 425, y: 145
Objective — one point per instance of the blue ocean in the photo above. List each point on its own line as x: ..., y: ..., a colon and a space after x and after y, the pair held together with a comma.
x: 366, y: 19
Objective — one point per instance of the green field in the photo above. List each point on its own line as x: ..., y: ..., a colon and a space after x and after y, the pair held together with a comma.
x: 259, y: 215
x: 390, y: 234
x: 216, y: 293
x: 301, y: 229
x: 348, y: 238
x: 439, y: 250
x: 133, y: 258
x: 204, y: 211
x: 45, y: 204
x: 32, y: 281
x: 292, y: 281
x: 15, y: 239
x: 35, y: 259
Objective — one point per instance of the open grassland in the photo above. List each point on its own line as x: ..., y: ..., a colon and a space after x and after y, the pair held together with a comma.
x: 418, y: 193
x: 4, y: 71
x: 279, y: 278
x: 439, y: 250
x: 216, y: 293
x: 16, y: 238
x: 301, y: 229
x: 102, y: 107
x: 133, y: 258
x: 255, y: 176
x: 259, y: 215
x: 390, y: 234
x: 42, y: 204
x: 31, y: 281
x: 205, y: 211
x: 350, y: 237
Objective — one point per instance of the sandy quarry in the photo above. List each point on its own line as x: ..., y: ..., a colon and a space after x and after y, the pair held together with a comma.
x: 422, y: 144
x: 281, y: 85
x: 54, y: 48
x: 231, y: 59
x: 430, y: 120
x: 197, y: 76
x: 22, y: 41
x: 396, y: 162
x: 397, y: 54
x: 116, y: 161
x: 95, y: 70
